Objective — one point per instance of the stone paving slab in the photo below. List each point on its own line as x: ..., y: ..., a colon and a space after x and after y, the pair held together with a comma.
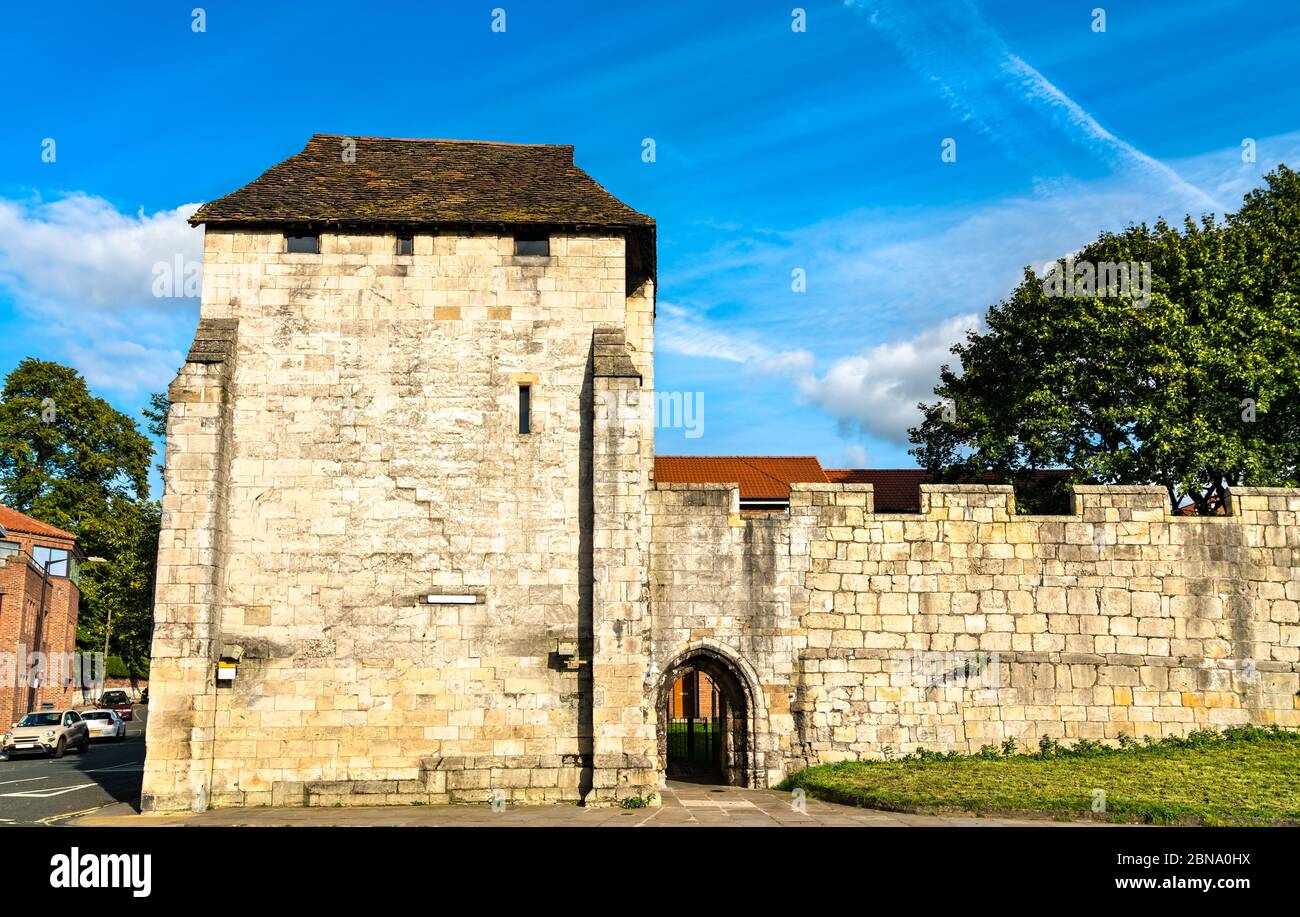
x: 683, y: 805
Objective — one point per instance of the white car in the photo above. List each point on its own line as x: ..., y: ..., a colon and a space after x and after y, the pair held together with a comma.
x: 104, y: 724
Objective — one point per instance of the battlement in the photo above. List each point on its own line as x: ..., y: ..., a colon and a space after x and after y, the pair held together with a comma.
x: 1118, y: 617
x: 996, y: 502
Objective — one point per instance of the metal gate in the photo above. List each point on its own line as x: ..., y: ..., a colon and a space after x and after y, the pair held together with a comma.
x: 694, y: 740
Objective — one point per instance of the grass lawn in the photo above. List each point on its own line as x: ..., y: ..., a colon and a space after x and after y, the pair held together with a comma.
x: 1245, y: 775
x: 706, y: 740
x: 701, y: 728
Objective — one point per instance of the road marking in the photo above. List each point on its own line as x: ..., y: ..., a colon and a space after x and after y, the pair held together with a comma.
x: 50, y: 819
x: 124, y: 768
x: 47, y: 793
x: 24, y: 780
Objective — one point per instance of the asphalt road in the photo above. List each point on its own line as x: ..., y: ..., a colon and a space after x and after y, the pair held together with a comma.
x: 43, y: 791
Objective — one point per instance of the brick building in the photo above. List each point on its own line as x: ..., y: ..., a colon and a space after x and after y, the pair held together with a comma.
x: 38, y: 612
x: 694, y: 695
x: 416, y: 546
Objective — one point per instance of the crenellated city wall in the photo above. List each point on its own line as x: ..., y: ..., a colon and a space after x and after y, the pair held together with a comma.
x: 867, y: 634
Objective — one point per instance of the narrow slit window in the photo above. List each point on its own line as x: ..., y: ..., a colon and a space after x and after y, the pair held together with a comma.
x: 406, y: 245
x: 525, y: 408
x: 533, y: 243
x: 305, y: 245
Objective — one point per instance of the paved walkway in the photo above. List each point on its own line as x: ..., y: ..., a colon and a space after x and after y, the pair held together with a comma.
x: 684, y: 804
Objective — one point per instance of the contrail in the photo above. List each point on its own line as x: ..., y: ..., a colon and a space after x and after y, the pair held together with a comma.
x: 983, y: 81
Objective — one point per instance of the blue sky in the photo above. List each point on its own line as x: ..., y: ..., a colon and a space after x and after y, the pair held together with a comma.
x: 776, y: 150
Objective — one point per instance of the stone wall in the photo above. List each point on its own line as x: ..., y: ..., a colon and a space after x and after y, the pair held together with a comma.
x: 623, y: 726
x: 723, y: 583
x: 181, y: 726
x: 344, y: 442
x: 967, y: 624
x: 348, y: 446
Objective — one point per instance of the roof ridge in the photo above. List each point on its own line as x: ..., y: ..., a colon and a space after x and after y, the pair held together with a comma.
x: 801, y: 457
x: 554, y: 146
x: 39, y: 527
x: 873, y: 470
x: 750, y: 464
x: 771, y: 477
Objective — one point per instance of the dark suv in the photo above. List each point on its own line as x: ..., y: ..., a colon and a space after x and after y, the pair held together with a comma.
x: 117, y: 701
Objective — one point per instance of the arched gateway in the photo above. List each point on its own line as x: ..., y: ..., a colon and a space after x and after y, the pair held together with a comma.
x: 706, y: 708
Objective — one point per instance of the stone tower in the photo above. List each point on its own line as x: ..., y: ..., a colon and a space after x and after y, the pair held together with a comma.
x: 404, y: 502
x: 416, y: 546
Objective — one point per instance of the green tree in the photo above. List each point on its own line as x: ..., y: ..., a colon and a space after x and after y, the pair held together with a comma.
x: 1197, y: 390
x: 155, y: 415
x: 63, y: 452
x: 128, y: 538
x: 71, y: 459
x: 155, y: 412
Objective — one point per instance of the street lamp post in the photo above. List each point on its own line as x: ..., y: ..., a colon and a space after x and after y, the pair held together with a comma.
x: 40, y: 625
x: 108, y: 629
x: 108, y: 624
x: 38, y: 636
x: 108, y: 616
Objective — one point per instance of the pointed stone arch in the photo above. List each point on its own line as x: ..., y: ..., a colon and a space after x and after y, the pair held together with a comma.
x: 745, y: 728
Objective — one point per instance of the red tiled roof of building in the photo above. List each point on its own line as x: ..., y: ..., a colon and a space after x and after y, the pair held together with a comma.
x: 898, y: 490
x: 765, y: 477
x: 14, y: 521
x: 895, y: 490
x: 761, y: 477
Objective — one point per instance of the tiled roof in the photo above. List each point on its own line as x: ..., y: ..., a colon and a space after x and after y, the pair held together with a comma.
x: 765, y: 477
x: 898, y: 490
x: 14, y: 521
x: 761, y: 477
x: 423, y: 182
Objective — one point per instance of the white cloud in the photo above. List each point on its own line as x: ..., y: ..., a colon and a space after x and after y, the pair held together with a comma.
x: 82, y: 272
x: 791, y: 363
x: 875, y: 392
x: 81, y: 251
x: 680, y: 329
x: 856, y: 456
x: 125, y: 365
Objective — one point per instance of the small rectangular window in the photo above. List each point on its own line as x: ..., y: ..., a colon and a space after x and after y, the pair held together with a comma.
x: 532, y: 243
x: 525, y: 406
x: 406, y: 245
x: 306, y: 245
